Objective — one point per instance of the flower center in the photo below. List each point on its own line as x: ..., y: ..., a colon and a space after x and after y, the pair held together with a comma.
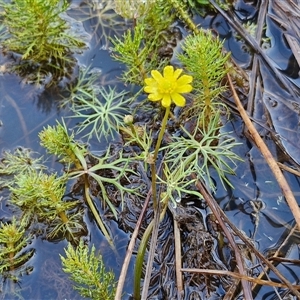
x: 167, y: 86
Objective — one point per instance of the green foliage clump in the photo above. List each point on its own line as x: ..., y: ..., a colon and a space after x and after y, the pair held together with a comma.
x: 21, y: 161
x: 204, y: 59
x: 39, y: 34
x: 39, y: 195
x: 59, y: 142
x: 199, y: 5
x: 43, y: 193
x: 12, y: 241
x: 205, y: 148
x: 137, y: 53
x: 88, y: 272
x: 139, y: 49
x: 131, y: 9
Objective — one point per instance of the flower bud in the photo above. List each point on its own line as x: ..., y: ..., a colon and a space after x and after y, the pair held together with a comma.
x: 128, y: 119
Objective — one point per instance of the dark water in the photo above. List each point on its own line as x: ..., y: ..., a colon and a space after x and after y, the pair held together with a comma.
x: 255, y: 205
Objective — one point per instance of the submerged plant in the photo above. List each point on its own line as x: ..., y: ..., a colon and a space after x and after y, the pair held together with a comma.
x: 39, y: 34
x: 21, y: 161
x: 80, y: 166
x: 87, y: 271
x: 85, y: 86
x: 101, y: 112
x: 132, y: 9
x: 102, y: 20
x: 12, y: 242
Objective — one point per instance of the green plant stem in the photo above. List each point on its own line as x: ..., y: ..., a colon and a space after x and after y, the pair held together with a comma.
x: 139, y: 261
x: 132, y: 128
x: 184, y: 15
x: 207, y: 97
x: 156, y: 207
x: 141, y: 254
x: 11, y: 255
x: 153, y: 166
x: 63, y: 217
x: 95, y: 213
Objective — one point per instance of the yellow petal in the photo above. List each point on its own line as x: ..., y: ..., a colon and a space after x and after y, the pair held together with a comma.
x: 177, y: 73
x: 166, y: 101
x: 178, y: 99
x: 150, y: 89
x: 156, y: 75
x: 150, y: 81
x: 186, y: 88
x: 155, y: 97
x: 184, y: 79
x: 169, y: 72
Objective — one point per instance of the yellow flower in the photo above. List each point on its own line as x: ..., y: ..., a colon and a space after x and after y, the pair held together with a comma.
x: 168, y: 87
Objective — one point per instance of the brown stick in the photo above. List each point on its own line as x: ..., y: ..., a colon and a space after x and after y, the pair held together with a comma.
x: 288, y: 194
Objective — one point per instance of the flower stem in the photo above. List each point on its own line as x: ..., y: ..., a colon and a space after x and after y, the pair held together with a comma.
x: 162, y: 131
x: 153, y: 166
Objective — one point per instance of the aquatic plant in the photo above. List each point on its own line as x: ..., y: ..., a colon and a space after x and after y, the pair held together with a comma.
x: 100, y: 110
x: 21, y: 161
x: 139, y: 49
x: 134, y: 53
x: 204, y: 59
x: 84, y: 86
x: 79, y: 166
x: 41, y: 198
x: 13, y: 240
x: 39, y: 34
x: 88, y: 272
x: 132, y: 9
x: 59, y: 142
x: 102, y: 113
x: 207, y: 147
x: 103, y: 21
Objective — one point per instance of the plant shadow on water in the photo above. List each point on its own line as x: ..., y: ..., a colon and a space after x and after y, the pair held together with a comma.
x: 253, y: 202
